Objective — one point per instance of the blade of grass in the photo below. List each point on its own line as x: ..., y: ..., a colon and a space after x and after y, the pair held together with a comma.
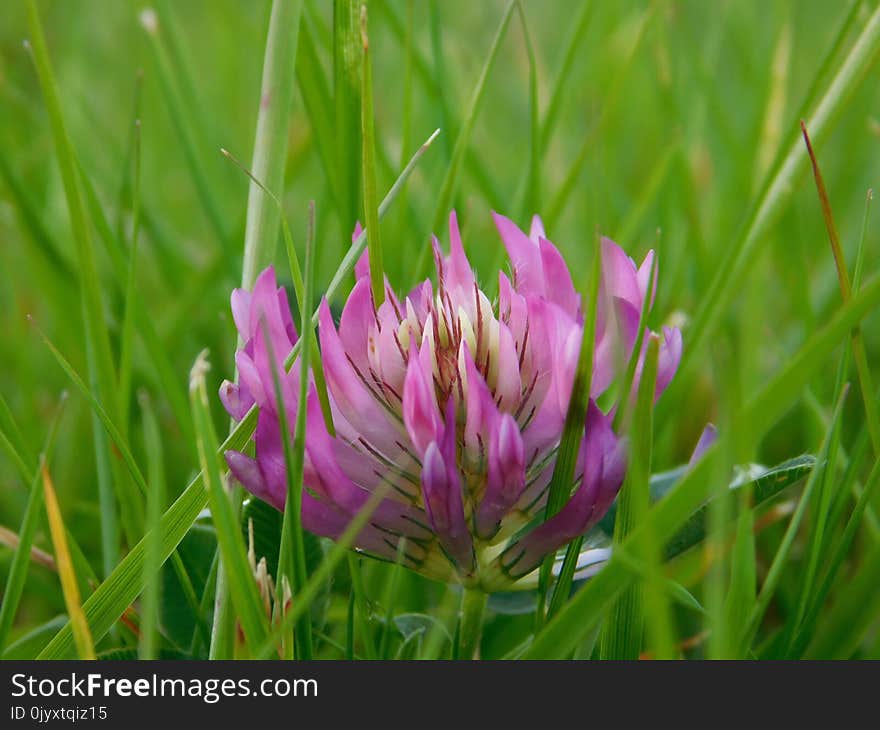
x: 81, y: 635
x: 319, y: 106
x: 854, y: 612
x: 12, y: 453
x: 149, y: 635
x: 774, y: 113
x: 125, y: 350
x: 291, y: 556
x: 838, y: 556
x: 559, y: 489
x: 531, y: 191
x: 360, y: 610
x: 347, y: 49
x: 243, y: 590
x: 771, y: 582
x: 368, y: 157
x: 438, y: 66
x: 14, y: 441
x: 390, y: 600
x: 569, y: 565
x: 621, y: 636
x: 821, y: 512
x: 32, y: 219
x: 270, y: 144
x: 360, y: 243
x: 18, y: 568
x: 126, y: 197
x: 866, y: 385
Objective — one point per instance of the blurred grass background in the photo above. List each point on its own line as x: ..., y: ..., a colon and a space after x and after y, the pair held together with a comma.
x: 671, y: 115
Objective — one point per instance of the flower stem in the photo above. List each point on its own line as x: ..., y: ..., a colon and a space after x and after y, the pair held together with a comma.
x: 473, y: 606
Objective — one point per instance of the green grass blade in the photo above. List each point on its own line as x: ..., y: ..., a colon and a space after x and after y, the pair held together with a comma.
x: 531, y: 195
x: 81, y: 635
x: 347, y: 49
x: 360, y: 610
x: 771, y: 582
x: 14, y: 455
x: 838, y: 556
x: 872, y: 412
x: 18, y: 568
x: 318, y: 104
x: 570, y: 442
x: 368, y: 157
x: 360, y: 243
x: 149, y: 638
x: 243, y: 590
x: 621, y: 636
x: 854, y: 612
x: 270, y: 145
x: 125, y: 350
x: 291, y: 556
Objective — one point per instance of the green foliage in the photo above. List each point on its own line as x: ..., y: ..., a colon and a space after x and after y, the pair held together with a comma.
x: 659, y: 124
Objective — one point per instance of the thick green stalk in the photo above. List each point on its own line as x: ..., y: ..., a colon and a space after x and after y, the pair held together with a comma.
x: 473, y: 608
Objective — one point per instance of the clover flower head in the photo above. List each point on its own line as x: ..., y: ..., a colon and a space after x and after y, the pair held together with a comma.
x: 451, y: 402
